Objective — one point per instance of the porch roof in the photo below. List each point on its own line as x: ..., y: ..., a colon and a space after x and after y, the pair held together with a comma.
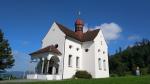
x: 51, y: 49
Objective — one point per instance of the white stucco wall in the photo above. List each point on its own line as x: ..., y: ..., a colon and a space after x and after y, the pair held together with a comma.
x: 55, y: 36
x: 88, y: 57
x: 100, y: 43
x: 70, y: 71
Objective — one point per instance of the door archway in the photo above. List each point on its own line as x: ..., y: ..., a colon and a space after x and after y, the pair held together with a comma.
x: 53, y: 64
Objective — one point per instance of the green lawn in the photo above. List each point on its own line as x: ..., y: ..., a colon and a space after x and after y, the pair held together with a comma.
x: 112, y: 80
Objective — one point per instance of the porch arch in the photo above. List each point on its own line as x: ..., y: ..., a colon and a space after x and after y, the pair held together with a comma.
x: 53, y: 65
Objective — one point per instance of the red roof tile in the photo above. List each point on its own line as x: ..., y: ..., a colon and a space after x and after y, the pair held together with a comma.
x: 50, y: 48
x: 79, y: 21
x: 87, y: 36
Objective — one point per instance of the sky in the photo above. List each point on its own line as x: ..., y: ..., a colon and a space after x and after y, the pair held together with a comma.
x: 26, y: 22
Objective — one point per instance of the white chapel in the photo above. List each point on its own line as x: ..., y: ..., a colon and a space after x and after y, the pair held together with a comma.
x: 64, y: 52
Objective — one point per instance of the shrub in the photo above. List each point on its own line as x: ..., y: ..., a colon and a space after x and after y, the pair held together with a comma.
x: 1, y: 79
x: 83, y: 74
x: 144, y: 71
x: 148, y: 70
x: 113, y: 75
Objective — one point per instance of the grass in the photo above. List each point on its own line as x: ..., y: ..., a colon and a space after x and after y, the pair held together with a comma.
x: 111, y: 80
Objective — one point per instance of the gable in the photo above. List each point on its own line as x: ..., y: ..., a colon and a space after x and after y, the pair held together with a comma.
x: 100, y: 37
x: 53, y: 36
x: 53, y: 28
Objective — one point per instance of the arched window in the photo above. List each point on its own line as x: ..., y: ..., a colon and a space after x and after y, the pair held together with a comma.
x: 70, y: 61
x: 104, y: 64
x: 77, y: 62
x: 100, y: 63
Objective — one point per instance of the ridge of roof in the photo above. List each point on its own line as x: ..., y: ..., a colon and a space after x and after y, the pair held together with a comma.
x: 87, y: 36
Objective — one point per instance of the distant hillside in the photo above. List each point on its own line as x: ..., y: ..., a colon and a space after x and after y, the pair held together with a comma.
x: 126, y: 61
x: 17, y: 74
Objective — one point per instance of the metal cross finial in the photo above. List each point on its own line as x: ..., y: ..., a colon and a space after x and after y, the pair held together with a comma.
x: 79, y: 13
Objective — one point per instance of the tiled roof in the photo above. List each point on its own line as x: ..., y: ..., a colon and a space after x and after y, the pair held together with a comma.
x: 50, y: 48
x: 87, y: 36
x: 79, y: 21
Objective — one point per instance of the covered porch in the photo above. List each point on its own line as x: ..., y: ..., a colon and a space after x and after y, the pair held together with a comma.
x: 46, y: 64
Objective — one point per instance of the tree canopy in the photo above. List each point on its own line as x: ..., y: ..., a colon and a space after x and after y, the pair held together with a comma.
x: 126, y: 61
x: 6, y: 57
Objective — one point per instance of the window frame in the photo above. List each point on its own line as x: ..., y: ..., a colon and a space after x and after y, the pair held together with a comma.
x: 77, y: 62
x: 100, y: 63
x: 70, y: 61
x: 104, y: 64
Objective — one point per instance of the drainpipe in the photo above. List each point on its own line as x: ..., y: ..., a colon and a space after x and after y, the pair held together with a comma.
x: 63, y: 60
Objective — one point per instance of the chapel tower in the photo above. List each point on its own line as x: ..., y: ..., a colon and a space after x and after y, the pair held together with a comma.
x: 79, y: 27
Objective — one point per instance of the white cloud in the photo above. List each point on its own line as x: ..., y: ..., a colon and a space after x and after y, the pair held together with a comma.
x: 111, y: 31
x: 85, y: 28
x: 133, y: 37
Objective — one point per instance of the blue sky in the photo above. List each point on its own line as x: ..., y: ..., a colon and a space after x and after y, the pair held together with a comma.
x: 25, y: 22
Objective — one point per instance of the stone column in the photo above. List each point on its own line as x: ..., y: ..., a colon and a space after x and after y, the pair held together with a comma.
x: 54, y: 73
x: 42, y: 70
x: 48, y: 58
x: 53, y: 70
x: 47, y: 66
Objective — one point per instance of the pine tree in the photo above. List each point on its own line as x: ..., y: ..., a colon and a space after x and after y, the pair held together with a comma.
x: 6, y: 57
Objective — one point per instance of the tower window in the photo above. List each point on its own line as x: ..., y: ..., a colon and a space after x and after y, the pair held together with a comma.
x: 86, y: 50
x: 77, y: 62
x: 70, y: 61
